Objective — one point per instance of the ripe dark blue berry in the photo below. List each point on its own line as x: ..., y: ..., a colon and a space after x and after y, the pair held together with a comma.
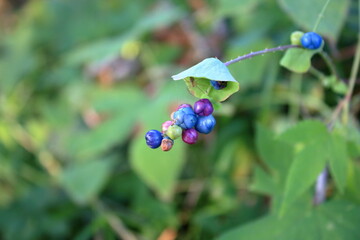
x: 311, y: 40
x: 205, y: 124
x: 218, y: 84
x: 153, y: 138
x: 185, y: 118
x: 203, y: 107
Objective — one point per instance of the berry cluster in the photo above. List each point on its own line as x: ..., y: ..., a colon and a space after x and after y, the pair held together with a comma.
x: 309, y: 40
x: 186, y: 122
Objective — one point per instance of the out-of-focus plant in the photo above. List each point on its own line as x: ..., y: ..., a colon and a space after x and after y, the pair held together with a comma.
x: 82, y: 81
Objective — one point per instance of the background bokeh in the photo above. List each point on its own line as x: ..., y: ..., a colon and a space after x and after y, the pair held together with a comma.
x: 82, y: 81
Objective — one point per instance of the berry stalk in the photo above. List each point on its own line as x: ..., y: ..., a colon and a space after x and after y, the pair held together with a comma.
x: 253, y: 54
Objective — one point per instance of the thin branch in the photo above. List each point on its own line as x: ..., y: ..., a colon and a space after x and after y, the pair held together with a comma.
x: 114, y: 221
x: 253, y: 54
x: 354, y: 72
x: 330, y: 64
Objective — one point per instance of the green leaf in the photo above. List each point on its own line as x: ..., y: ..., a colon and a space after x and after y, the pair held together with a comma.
x: 340, y: 87
x: 335, y: 220
x: 353, y: 182
x: 306, y: 12
x: 234, y: 7
x: 83, y: 181
x: 264, y: 183
x: 305, y: 132
x: 297, y: 59
x: 160, y: 16
x: 108, y: 134
x: 198, y: 78
x: 338, y: 160
x: 309, y: 140
x: 157, y: 168
x: 307, y: 165
x: 276, y: 154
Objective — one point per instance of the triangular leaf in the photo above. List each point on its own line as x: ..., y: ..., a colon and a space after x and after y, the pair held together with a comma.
x: 307, y: 165
x: 198, y: 78
x: 309, y: 140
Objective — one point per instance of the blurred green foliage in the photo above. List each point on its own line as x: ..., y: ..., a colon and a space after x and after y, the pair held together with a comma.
x: 82, y: 81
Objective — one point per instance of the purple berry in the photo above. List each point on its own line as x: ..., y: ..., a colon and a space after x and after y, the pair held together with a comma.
x: 185, y: 118
x: 153, y: 138
x: 205, y: 124
x: 203, y: 107
x: 184, y: 105
x: 217, y: 85
x: 311, y: 40
x: 166, y: 125
x: 190, y: 136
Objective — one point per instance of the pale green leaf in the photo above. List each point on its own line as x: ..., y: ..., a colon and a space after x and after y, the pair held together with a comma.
x: 297, y: 59
x: 198, y: 78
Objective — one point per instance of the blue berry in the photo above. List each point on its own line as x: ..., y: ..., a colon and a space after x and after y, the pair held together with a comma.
x: 205, y: 124
x: 218, y: 84
x: 153, y: 138
x: 185, y: 118
x: 203, y: 107
x: 311, y: 40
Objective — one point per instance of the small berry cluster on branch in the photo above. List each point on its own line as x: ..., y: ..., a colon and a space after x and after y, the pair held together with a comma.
x: 187, y: 122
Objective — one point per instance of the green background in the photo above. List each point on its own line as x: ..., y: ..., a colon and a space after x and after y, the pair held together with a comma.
x: 82, y: 81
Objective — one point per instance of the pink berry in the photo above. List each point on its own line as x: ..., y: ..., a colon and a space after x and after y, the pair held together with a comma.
x: 190, y: 136
x: 184, y: 105
x: 166, y: 125
x: 166, y: 144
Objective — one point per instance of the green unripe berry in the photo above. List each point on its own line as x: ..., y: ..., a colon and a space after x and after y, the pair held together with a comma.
x: 295, y: 37
x: 174, y: 132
